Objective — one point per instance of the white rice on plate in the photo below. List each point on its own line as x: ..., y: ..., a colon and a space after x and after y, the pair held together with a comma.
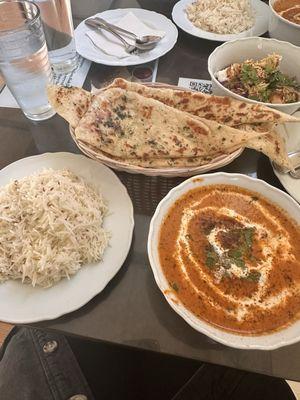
x: 221, y: 16
x: 50, y: 225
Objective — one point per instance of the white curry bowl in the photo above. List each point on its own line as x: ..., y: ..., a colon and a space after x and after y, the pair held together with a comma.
x: 288, y: 335
x: 281, y: 28
x: 256, y: 48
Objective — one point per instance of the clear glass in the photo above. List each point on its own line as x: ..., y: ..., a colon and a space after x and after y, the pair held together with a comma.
x: 59, y: 32
x: 24, y: 60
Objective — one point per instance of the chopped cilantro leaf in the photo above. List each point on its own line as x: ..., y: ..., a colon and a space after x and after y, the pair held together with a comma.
x: 239, y: 262
x: 249, y: 75
x: 210, y: 262
x: 248, y: 235
x: 253, y: 276
x: 235, y: 253
x: 174, y: 286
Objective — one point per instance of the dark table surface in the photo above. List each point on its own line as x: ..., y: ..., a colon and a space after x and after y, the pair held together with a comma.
x: 131, y: 310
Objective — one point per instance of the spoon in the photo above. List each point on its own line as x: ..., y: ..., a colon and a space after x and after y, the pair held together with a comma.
x: 295, y: 159
x: 96, y: 26
x: 146, y: 39
x: 128, y: 47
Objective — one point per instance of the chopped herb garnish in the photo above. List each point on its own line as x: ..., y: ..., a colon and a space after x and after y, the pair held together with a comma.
x: 235, y: 253
x: 249, y: 75
x: 212, y: 257
x: 174, y: 286
x: 239, y: 262
x: 152, y: 142
x: 253, y: 276
x: 277, y: 79
x: 109, y: 123
x: 120, y: 111
x: 207, y: 229
x: 235, y: 257
x: 210, y: 262
x: 248, y: 235
x: 262, y: 80
x: 239, y: 243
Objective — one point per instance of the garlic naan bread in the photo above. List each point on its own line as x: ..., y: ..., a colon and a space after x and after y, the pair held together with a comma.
x: 128, y: 125
x: 183, y: 162
x: 224, y: 110
x: 271, y: 144
x: 71, y: 103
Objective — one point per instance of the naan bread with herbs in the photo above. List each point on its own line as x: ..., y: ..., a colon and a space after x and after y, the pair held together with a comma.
x: 272, y: 145
x: 73, y: 104
x: 127, y: 125
x: 183, y: 162
x: 269, y: 143
x: 224, y: 110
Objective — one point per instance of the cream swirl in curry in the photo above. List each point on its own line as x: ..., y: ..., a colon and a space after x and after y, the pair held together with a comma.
x: 288, y: 9
x: 232, y: 257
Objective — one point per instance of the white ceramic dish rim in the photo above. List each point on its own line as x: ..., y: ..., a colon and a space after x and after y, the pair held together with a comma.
x: 287, y: 181
x: 230, y: 93
x: 217, y: 37
x: 69, y: 309
x: 271, y: 2
x: 113, y: 61
x: 219, y: 335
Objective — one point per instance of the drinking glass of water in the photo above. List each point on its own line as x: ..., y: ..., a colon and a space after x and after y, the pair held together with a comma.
x: 24, y: 60
x: 59, y: 32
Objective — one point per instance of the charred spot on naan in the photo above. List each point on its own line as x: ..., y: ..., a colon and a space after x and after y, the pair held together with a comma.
x: 196, y: 128
x: 71, y: 103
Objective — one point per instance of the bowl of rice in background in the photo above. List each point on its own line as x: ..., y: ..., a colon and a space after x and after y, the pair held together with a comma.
x: 222, y: 20
x: 281, y: 28
x: 240, y: 50
x: 230, y: 17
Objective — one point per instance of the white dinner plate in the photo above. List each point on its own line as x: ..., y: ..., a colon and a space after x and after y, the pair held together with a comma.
x: 286, y: 336
x: 22, y: 303
x: 261, y: 10
x: 291, y: 133
x: 154, y: 20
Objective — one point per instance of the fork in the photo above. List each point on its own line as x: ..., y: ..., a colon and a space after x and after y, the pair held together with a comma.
x: 98, y: 26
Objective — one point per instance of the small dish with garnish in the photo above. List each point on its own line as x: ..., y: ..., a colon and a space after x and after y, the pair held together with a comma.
x: 260, y: 70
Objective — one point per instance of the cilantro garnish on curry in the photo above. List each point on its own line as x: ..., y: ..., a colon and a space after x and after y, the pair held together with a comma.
x: 239, y: 250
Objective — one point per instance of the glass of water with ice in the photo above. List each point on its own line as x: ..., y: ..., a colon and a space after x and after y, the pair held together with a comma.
x: 24, y: 60
x: 59, y: 32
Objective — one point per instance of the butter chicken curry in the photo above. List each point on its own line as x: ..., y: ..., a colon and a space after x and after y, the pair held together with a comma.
x: 232, y: 258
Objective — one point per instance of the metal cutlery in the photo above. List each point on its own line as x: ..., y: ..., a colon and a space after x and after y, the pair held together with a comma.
x: 146, y: 39
x: 96, y: 25
x: 295, y: 159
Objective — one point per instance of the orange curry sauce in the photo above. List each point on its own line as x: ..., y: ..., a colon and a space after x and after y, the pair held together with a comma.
x: 288, y: 9
x: 232, y: 258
